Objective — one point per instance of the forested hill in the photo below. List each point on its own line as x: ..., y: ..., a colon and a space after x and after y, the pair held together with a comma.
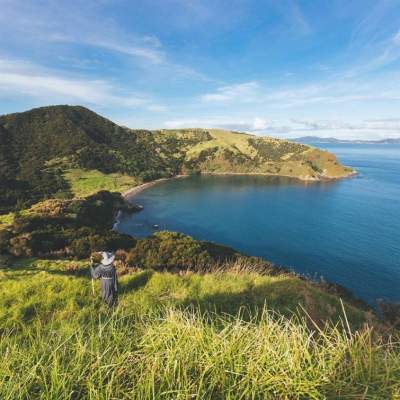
x: 38, y: 145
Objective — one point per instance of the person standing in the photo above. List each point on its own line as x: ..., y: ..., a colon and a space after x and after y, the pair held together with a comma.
x: 108, y: 275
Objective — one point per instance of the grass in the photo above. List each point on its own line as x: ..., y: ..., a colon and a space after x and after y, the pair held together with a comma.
x: 8, y: 219
x: 214, y: 336
x: 285, y: 158
x: 223, y: 139
x: 86, y: 182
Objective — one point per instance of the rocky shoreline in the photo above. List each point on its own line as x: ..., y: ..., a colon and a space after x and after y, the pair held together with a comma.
x: 321, y: 178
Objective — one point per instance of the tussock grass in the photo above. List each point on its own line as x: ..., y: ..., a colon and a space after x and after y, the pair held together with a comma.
x: 217, y: 335
x: 186, y: 355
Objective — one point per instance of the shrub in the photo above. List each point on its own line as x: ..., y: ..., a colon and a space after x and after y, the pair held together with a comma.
x: 70, y: 228
x: 5, y: 236
x: 175, y: 250
x: 391, y: 313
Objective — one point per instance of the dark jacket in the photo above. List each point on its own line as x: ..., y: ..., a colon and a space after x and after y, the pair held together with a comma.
x: 109, y: 282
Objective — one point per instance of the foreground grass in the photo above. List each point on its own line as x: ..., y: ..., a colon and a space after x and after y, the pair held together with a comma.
x: 182, y: 337
x: 86, y: 182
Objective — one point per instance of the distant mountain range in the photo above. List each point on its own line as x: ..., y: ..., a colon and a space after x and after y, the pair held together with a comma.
x: 316, y: 139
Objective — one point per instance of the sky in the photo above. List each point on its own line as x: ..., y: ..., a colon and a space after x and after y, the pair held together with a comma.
x: 284, y: 68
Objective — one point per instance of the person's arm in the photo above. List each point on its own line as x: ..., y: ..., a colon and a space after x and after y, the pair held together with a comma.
x: 95, y: 272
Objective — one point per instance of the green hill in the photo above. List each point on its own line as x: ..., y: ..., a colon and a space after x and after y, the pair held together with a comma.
x: 41, y: 149
x: 219, y: 151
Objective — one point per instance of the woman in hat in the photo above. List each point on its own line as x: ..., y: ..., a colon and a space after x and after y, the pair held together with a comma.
x: 106, y: 271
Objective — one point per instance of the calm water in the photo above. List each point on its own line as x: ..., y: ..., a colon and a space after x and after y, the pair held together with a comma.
x: 346, y: 231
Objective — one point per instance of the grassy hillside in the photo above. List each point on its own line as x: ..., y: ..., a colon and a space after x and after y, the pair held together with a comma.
x: 221, y: 151
x: 50, y: 151
x: 218, y: 335
x: 83, y: 183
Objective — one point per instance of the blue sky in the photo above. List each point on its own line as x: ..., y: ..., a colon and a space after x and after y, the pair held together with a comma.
x: 285, y: 68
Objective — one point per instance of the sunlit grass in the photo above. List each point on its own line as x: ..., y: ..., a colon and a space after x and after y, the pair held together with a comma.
x: 86, y: 182
x: 218, y: 335
x: 7, y: 219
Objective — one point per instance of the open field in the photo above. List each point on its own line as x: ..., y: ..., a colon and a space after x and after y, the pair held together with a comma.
x: 86, y: 182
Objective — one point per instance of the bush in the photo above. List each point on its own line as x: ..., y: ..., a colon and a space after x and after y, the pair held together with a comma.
x: 176, y: 250
x: 390, y: 313
x: 5, y: 236
x: 70, y: 228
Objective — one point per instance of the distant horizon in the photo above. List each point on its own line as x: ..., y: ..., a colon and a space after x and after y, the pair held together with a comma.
x: 310, y: 134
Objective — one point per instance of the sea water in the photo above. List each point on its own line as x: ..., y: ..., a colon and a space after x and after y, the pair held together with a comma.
x: 346, y: 231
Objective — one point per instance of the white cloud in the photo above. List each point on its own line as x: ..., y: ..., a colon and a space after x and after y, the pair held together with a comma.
x: 44, y: 24
x: 301, y: 23
x: 147, y: 53
x: 329, y: 92
x: 373, y: 54
x: 260, y: 124
x: 18, y: 77
x: 396, y: 38
x: 361, y: 129
x: 242, y: 92
x: 367, y: 129
x: 207, y: 122
x: 251, y: 125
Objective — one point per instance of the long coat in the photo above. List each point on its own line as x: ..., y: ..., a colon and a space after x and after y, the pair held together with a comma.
x: 109, y: 282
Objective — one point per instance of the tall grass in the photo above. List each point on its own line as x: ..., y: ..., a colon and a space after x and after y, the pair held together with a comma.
x: 219, y: 335
x: 182, y: 354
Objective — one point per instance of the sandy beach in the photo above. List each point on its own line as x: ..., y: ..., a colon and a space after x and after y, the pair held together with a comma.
x: 129, y: 194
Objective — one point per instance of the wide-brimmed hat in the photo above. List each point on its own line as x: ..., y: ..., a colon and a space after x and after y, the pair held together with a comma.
x: 108, y: 258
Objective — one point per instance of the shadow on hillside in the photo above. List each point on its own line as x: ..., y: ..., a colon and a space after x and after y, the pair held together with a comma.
x: 136, y: 282
x: 17, y: 270
x: 81, y: 273
x: 283, y: 297
x: 277, y: 296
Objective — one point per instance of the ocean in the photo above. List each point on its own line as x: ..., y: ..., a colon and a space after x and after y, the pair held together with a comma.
x: 346, y: 231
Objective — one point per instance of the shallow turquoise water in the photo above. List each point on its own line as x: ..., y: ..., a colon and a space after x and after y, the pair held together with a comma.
x: 347, y: 231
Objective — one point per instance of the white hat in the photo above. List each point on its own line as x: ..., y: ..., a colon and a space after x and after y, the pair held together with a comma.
x: 108, y: 258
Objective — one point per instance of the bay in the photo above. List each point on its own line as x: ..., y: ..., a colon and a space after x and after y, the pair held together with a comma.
x: 346, y: 231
